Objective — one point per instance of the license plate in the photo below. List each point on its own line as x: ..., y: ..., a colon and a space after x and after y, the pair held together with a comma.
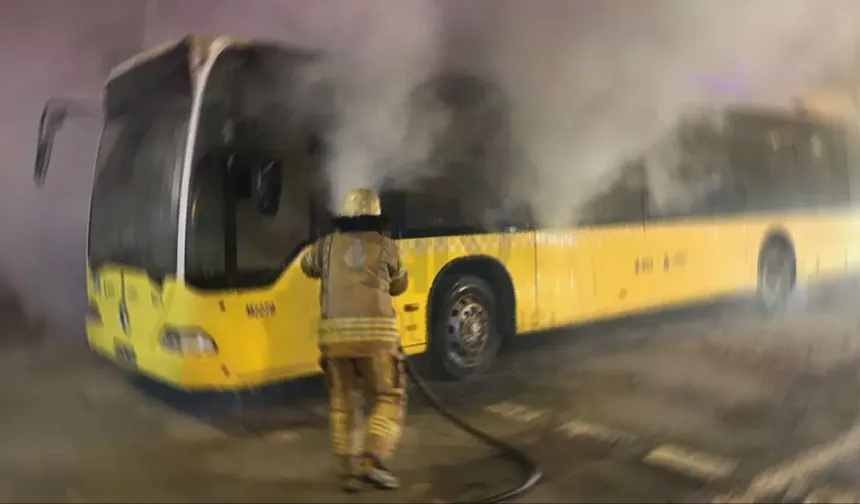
x: 125, y: 355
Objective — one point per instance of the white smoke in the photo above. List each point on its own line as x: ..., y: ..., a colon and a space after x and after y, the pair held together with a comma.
x: 592, y: 84
x: 390, y: 49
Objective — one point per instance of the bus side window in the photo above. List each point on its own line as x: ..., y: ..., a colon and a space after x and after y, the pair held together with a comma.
x: 423, y: 213
x: 265, y: 241
x: 392, y: 209
x: 322, y: 218
x: 623, y: 202
x: 426, y: 214
x: 718, y: 187
x: 691, y: 175
x: 756, y: 154
x: 851, y: 144
x: 205, y: 240
x: 825, y: 169
x: 840, y: 182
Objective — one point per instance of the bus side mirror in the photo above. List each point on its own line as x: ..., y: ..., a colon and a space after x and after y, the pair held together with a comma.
x: 268, y: 188
x: 51, y: 121
x: 54, y: 116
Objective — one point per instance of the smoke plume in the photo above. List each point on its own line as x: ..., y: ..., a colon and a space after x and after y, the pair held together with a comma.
x: 594, y: 83
x: 391, y: 48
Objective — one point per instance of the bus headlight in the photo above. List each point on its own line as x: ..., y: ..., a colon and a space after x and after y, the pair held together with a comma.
x: 188, y: 341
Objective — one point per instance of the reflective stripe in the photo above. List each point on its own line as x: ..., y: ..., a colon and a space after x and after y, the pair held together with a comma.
x: 324, y: 269
x: 358, y: 329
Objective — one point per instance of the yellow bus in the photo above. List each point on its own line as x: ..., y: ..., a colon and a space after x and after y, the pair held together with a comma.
x: 209, y: 184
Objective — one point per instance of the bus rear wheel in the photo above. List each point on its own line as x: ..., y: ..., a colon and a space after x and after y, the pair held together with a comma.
x: 775, y: 277
x: 465, y: 339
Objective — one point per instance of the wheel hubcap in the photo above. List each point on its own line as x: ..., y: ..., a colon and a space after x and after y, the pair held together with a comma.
x: 468, y: 332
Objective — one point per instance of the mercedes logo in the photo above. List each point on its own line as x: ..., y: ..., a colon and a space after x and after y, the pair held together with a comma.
x: 123, y: 316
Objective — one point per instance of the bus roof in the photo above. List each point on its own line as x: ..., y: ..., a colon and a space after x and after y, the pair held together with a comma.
x: 767, y: 113
x: 779, y: 114
x: 199, y: 47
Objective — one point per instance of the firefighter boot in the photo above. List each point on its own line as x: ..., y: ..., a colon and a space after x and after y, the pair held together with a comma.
x: 374, y: 473
x: 351, y: 480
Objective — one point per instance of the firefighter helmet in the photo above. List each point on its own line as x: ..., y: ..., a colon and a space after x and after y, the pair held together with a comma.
x: 361, y: 201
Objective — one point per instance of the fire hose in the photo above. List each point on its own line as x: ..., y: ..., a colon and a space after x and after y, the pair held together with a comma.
x: 532, y: 472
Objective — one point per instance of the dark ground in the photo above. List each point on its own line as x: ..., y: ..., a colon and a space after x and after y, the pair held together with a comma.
x: 764, y: 410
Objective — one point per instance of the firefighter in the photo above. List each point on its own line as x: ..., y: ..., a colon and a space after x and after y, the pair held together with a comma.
x: 360, y: 271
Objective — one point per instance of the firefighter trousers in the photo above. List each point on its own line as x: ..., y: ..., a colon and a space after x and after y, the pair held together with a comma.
x: 381, y: 380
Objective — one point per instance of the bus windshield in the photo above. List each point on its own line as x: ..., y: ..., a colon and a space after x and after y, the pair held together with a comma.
x: 134, y: 203
x: 261, y: 109
x: 135, y: 198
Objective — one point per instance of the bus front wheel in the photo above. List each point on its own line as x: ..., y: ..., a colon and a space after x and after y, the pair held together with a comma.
x: 465, y: 338
x: 775, y: 276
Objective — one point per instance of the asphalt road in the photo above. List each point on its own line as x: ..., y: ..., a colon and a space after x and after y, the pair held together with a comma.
x: 708, y: 404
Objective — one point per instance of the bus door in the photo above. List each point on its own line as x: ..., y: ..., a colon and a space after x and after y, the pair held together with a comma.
x: 251, y: 215
x: 251, y: 218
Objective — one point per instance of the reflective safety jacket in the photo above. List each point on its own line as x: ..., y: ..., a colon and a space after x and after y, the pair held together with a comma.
x: 360, y: 272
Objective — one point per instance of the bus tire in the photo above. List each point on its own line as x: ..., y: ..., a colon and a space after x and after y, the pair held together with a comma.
x: 465, y: 338
x: 776, y: 273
